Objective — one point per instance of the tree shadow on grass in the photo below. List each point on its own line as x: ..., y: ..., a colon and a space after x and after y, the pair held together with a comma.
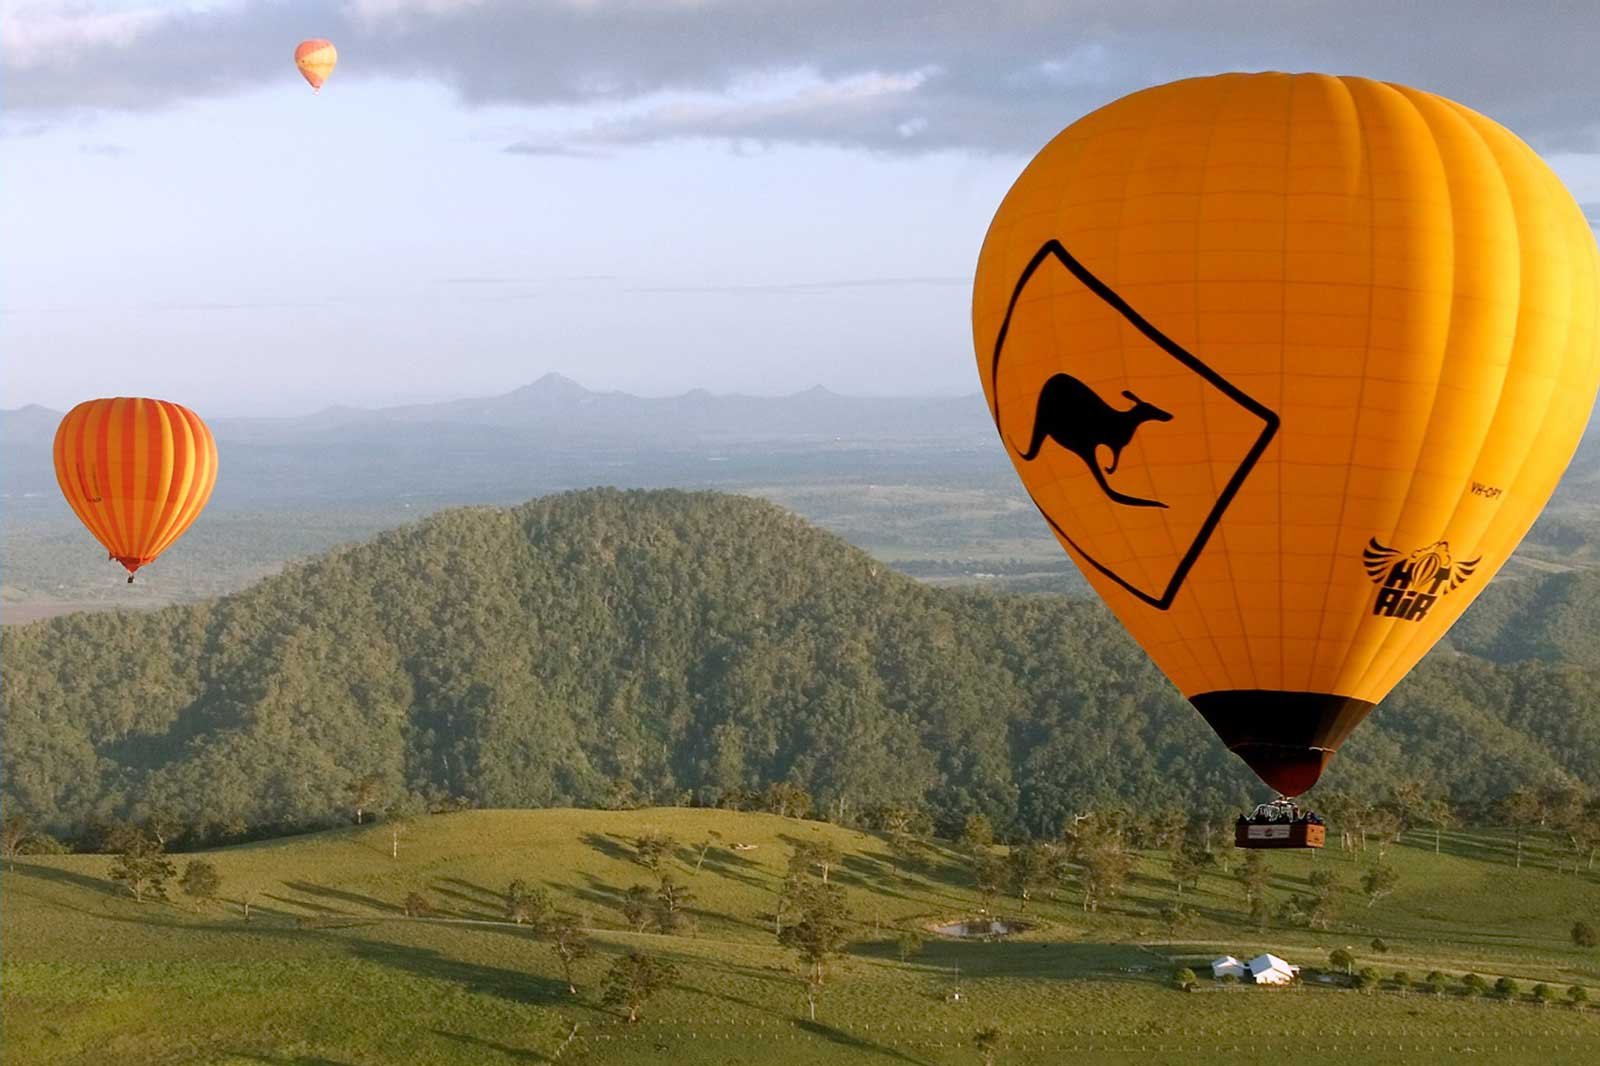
x: 524, y: 1054
x: 512, y: 985
x: 613, y: 848
x: 104, y: 886
x: 854, y: 1043
x: 355, y: 898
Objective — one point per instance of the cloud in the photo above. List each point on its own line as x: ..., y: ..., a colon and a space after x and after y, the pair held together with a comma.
x: 105, y: 151
x: 890, y: 75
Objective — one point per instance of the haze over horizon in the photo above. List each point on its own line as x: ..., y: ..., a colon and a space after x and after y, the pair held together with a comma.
x: 646, y: 197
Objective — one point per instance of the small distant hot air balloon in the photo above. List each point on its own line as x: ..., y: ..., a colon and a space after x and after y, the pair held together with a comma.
x: 1290, y: 363
x: 136, y: 472
x: 316, y: 59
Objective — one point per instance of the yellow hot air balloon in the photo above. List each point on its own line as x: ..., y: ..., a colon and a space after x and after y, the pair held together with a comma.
x: 1290, y: 363
x: 316, y: 59
x: 136, y: 472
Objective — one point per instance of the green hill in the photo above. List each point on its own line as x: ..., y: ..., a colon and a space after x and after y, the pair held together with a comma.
x: 328, y: 968
x: 672, y: 645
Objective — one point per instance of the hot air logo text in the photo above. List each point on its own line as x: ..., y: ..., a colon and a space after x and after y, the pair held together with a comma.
x: 1409, y: 584
x: 1131, y: 446
x: 1075, y: 417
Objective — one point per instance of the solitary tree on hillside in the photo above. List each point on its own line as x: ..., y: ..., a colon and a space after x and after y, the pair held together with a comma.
x: 1341, y: 959
x: 1174, y: 916
x: 671, y: 898
x: 364, y: 792
x: 637, y: 906
x: 815, y: 856
x: 142, y: 866
x: 200, y: 880
x: 634, y: 979
x: 1584, y: 935
x: 988, y: 1042
x: 1253, y: 877
x: 1379, y: 882
x: 571, y: 944
x: 818, y: 933
x: 1187, y: 865
x: 653, y: 846
x: 528, y: 904
x: 711, y: 839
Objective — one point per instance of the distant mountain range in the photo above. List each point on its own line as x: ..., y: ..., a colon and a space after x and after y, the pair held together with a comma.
x: 465, y: 448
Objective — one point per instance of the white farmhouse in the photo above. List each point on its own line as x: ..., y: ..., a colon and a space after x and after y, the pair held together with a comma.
x: 1271, y: 970
x: 1227, y: 966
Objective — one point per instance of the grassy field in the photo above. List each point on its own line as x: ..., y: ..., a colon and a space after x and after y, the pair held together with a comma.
x: 328, y: 970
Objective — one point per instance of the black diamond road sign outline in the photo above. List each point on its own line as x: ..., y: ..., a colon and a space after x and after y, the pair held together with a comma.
x: 1053, y: 248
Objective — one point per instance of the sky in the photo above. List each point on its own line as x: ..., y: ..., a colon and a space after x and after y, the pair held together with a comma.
x: 749, y: 196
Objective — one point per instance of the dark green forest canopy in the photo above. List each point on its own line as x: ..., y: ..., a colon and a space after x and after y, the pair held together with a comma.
x: 691, y: 643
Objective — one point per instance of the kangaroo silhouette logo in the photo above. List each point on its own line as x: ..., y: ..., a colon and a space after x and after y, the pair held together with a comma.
x: 1075, y: 417
x: 1035, y: 348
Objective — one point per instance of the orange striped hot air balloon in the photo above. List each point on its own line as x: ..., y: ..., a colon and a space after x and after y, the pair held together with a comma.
x: 136, y: 472
x: 316, y: 59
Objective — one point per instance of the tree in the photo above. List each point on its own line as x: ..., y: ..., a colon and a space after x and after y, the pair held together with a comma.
x: 1380, y: 945
x: 1519, y: 809
x: 819, y: 932
x: 634, y: 979
x: 1341, y: 959
x: 1584, y: 934
x: 142, y: 866
x: 200, y: 880
x: 570, y: 943
x: 652, y: 846
x: 1187, y: 864
x: 416, y: 905
x: 1025, y: 866
x: 638, y: 904
x: 527, y: 904
x: 977, y: 832
x: 1365, y: 978
x: 15, y: 833
x: 1543, y: 994
x: 1435, y: 982
x: 988, y: 875
x: 364, y: 791
x: 1253, y: 877
x: 1183, y: 979
x: 1379, y: 882
x: 1577, y: 995
x: 672, y: 896
x: 1473, y: 984
x: 1402, y: 980
x: 1174, y: 916
x: 711, y: 839
x: 820, y: 856
x: 909, y: 943
x: 988, y: 1042
x: 1105, y: 861
x: 788, y: 799
x: 1507, y: 988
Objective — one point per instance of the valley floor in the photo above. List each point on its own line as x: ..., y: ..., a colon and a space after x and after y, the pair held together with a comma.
x: 328, y: 970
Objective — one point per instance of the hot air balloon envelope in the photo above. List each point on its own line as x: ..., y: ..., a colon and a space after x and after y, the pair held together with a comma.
x: 316, y: 59
x: 1290, y: 363
x: 136, y: 472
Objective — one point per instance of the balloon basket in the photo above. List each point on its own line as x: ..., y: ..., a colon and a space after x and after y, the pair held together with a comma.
x: 1279, y: 824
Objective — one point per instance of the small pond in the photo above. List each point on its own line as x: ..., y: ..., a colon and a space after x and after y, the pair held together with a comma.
x: 977, y: 928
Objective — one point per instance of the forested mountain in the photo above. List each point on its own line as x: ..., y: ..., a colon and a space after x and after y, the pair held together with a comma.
x: 679, y: 642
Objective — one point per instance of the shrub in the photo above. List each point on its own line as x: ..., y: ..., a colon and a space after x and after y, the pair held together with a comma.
x: 1474, y: 984
x: 1366, y: 978
x: 1379, y: 945
x: 1229, y: 978
x: 1584, y: 935
x: 1183, y: 978
x: 1577, y: 995
x: 1543, y: 994
x: 1435, y: 982
x: 1402, y: 980
x: 1340, y: 959
x: 1506, y: 988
